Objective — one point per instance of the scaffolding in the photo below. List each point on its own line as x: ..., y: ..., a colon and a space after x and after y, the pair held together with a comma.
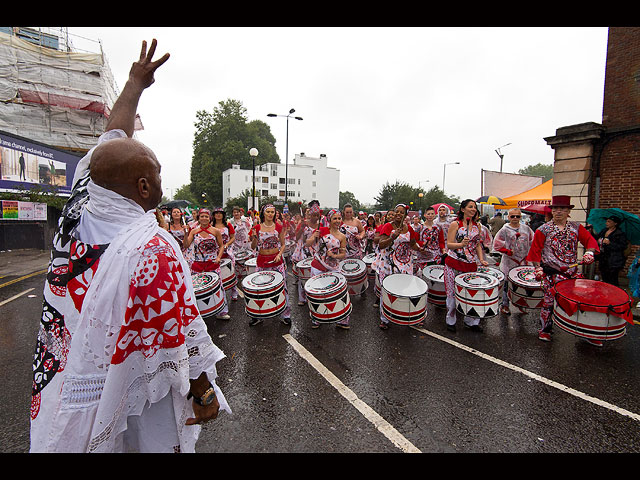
x: 51, y: 92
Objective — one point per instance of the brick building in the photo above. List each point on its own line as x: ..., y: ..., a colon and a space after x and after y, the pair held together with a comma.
x: 598, y: 164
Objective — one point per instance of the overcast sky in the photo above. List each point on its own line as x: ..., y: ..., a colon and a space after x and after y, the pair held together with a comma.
x: 383, y: 104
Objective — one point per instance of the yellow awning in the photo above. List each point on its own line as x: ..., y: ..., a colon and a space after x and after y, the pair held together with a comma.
x: 539, y: 195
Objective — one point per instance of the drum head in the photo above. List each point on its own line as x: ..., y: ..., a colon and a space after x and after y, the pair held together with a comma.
x: 492, y: 271
x: 263, y: 280
x: 591, y: 292
x: 251, y: 262
x: 404, y: 285
x: 352, y: 267
x: 204, y: 280
x: 476, y: 280
x: 306, y: 263
x: 325, y: 283
x: 369, y: 258
x: 524, y: 276
x: 434, y: 272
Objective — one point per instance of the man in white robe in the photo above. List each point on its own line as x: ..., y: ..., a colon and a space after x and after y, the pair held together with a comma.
x: 122, y: 347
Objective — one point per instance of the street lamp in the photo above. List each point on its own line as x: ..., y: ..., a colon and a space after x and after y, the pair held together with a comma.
x: 421, y: 193
x: 286, y: 161
x: 254, y: 153
x: 501, y: 155
x: 444, y: 171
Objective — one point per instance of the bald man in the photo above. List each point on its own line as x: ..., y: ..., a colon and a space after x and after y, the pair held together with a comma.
x: 123, y: 360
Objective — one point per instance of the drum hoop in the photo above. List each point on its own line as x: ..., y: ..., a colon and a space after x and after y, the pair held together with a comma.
x: 611, y: 307
x: 399, y: 295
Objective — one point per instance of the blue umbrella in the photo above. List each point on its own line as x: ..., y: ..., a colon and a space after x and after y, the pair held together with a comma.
x: 630, y: 222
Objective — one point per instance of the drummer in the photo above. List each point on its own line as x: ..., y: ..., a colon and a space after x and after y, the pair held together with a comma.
x: 330, y: 248
x: 464, y: 252
x: 554, y: 253
x: 241, y: 225
x: 228, y: 238
x: 305, y: 245
x: 267, y: 237
x: 431, y: 239
x: 513, y: 241
x: 380, y: 254
x: 207, y: 242
x: 354, y: 232
x: 397, y: 239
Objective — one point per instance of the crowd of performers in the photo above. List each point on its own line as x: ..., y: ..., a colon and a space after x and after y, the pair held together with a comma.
x: 456, y: 240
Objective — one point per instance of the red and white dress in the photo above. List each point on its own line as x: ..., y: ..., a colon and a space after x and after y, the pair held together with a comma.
x: 513, y: 244
x: 432, y: 239
x: 354, y: 243
x: 322, y: 262
x: 268, y: 241
x: 458, y: 261
x: 396, y: 258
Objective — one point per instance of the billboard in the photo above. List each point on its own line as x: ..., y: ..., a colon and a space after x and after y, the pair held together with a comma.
x: 25, y: 163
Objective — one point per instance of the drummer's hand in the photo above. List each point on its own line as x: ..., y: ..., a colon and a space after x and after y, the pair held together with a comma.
x: 538, y: 273
x: 606, y: 241
x: 484, y: 263
x: 465, y: 241
x: 587, y: 258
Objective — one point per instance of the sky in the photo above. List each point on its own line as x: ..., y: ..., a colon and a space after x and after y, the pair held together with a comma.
x: 384, y: 104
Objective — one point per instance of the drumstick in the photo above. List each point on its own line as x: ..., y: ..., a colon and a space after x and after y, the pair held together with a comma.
x: 564, y: 269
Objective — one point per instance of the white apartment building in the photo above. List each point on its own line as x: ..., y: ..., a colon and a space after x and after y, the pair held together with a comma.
x: 309, y: 179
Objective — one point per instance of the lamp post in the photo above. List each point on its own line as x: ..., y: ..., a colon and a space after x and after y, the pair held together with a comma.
x: 500, y: 154
x: 286, y: 161
x: 254, y: 153
x: 420, y: 195
x: 444, y: 171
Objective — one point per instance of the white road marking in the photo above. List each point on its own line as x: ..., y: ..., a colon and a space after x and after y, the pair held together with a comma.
x: 535, y: 376
x: 14, y: 297
x: 380, y: 423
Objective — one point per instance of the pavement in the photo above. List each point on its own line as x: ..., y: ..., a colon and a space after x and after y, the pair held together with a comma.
x: 20, y: 262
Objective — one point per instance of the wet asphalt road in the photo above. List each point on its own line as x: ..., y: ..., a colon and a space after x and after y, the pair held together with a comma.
x: 404, y: 389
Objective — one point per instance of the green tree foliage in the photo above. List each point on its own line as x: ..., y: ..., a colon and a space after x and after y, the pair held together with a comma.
x: 223, y: 138
x: 392, y: 194
x: 348, y: 198
x: 539, y: 169
x: 185, y: 193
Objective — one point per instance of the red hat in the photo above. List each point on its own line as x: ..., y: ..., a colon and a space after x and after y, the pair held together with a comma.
x: 561, y: 201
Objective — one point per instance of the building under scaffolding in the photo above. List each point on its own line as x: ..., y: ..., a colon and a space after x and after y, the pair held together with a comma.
x: 52, y: 93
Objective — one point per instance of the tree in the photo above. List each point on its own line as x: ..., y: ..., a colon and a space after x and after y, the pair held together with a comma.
x: 400, y: 192
x: 223, y: 138
x: 539, y: 169
x: 348, y: 198
x: 185, y: 193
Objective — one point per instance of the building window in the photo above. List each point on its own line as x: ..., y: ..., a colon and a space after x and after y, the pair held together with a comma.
x: 265, y: 179
x: 274, y: 186
x: 313, y: 172
x: 265, y: 193
x: 298, y: 181
x: 281, y: 194
x: 282, y: 182
x: 313, y: 184
x: 292, y: 181
x: 313, y: 195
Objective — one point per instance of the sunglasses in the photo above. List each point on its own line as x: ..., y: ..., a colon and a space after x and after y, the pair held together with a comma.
x: 514, y: 216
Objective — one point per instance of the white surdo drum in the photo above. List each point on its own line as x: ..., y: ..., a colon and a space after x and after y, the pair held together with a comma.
x: 355, y: 271
x: 434, y: 276
x: 525, y: 291
x: 477, y: 294
x: 328, y: 297
x: 209, y: 293
x: 404, y: 299
x: 264, y: 294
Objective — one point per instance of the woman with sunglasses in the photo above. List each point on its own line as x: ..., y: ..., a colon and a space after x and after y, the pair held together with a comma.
x: 513, y: 241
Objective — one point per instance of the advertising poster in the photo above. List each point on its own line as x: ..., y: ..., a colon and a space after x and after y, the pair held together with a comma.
x: 10, y: 209
x: 24, y: 163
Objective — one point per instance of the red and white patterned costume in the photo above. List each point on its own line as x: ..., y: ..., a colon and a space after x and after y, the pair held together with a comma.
x: 557, y: 249
x: 513, y: 243
x: 120, y: 334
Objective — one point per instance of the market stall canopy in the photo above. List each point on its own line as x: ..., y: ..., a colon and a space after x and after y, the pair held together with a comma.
x: 538, y: 195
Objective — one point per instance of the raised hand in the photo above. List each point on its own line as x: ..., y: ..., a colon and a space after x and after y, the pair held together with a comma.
x: 142, y: 71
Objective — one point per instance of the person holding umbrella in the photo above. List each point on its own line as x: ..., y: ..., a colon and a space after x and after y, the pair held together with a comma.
x: 613, y: 242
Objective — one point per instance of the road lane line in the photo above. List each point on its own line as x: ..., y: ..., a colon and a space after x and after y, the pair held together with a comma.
x: 4, y: 302
x: 380, y: 423
x: 535, y: 376
x: 23, y: 277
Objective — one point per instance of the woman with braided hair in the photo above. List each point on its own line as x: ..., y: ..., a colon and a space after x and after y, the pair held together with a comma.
x: 398, y: 239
